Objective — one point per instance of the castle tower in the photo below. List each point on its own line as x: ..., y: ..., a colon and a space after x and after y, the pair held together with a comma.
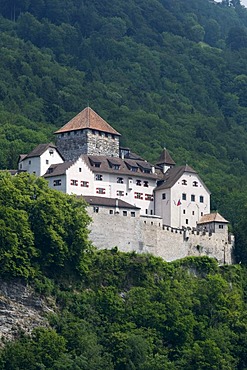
x: 87, y: 133
x: 165, y: 161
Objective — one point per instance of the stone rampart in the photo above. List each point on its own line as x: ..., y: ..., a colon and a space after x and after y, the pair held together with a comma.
x: 148, y: 235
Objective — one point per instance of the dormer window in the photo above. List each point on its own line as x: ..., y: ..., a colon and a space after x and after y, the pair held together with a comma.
x: 195, y: 183
x: 50, y: 170
x: 116, y: 166
x: 97, y: 164
x: 133, y: 169
x: 184, y: 182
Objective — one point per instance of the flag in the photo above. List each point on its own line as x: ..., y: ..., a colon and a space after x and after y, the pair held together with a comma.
x: 179, y: 203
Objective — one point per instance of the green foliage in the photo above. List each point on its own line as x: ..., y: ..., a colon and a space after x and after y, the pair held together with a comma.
x: 41, y: 230
x: 170, y: 316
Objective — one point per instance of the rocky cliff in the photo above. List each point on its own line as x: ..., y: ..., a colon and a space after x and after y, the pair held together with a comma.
x: 21, y: 310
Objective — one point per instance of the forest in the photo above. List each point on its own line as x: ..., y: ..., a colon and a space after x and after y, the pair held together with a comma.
x: 167, y: 73
x: 113, y: 310
x: 161, y: 72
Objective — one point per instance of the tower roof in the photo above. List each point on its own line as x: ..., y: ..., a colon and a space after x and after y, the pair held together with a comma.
x: 165, y: 158
x: 87, y: 118
x: 212, y: 217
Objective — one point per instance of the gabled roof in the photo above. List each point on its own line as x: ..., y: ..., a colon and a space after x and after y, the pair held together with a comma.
x: 108, y: 202
x: 174, y: 174
x: 125, y: 166
x: 39, y: 150
x: 212, y: 217
x: 58, y: 169
x: 165, y: 158
x: 22, y: 157
x: 87, y: 118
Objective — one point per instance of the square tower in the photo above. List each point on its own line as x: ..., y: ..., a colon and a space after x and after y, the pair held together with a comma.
x: 87, y: 133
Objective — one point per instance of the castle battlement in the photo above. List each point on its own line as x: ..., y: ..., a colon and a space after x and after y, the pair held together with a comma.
x: 161, y: 209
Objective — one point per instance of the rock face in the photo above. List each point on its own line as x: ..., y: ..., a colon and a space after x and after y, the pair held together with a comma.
x: 21, y: 309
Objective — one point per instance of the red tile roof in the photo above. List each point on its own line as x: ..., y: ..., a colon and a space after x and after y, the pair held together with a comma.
x: 165, y: 158
x: 212, y: 217
x: 87, y: 118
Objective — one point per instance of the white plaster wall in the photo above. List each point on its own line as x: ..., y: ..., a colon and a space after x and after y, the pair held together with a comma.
x: 38, y: 165
x: 61, y: 187
x: 31, y: 165
x: 176, y: 215
x: 81, y: 172
x: 51, y: 157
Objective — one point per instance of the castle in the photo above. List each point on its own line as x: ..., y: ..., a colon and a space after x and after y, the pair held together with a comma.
x: 161, y: 209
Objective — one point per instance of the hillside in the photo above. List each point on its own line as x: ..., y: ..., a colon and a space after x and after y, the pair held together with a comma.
x: 162, y: 73
x: 86, y: 309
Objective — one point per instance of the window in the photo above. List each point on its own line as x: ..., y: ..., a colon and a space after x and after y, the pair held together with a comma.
x: 184, y: 182
x: 79, y: 169
x: 57, y: 182
x: 193, y: 213
x: 201, y: 199
x: 138, y: 182
x: 29, y: 162
x: 20, y: 166
x: 51, y: 152
x: 116, y: 166
x: 186, y: 221
x: 201, y: 213
x: 96, y: 209
x: 192, y: 197
x: 145, y: 184
x: 147, y: 170
x: 221, y: 226
x: 85, y: 184
x: 149, y: 197
x: 100, y: 190
x: 98, y: 177
x: 151, y: 212
x: 183, y: 196
x: 97, y: 164
x: 164, y: 196
x: 47, y: 161
x: 124, y: 213
x: 133, y: 169
x: 120, y: 193
x: 138, y: 195
x: 184, y: 211
x: 74, y: 182
x: 146, y: 211
x: 195, y: 183
x: 111, y: 212
x: 119, y: 180
x: 133, y: 214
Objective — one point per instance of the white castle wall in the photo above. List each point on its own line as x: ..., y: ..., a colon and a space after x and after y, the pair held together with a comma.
x: 148, y: 235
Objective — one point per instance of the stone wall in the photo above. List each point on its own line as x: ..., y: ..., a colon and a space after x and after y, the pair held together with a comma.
x: 74, y: 143
x: 147, y: 235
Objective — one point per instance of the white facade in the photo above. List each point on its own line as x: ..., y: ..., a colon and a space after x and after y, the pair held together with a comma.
x: 79, y: 179
x: 184, y: 203
x: 39, y: 164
